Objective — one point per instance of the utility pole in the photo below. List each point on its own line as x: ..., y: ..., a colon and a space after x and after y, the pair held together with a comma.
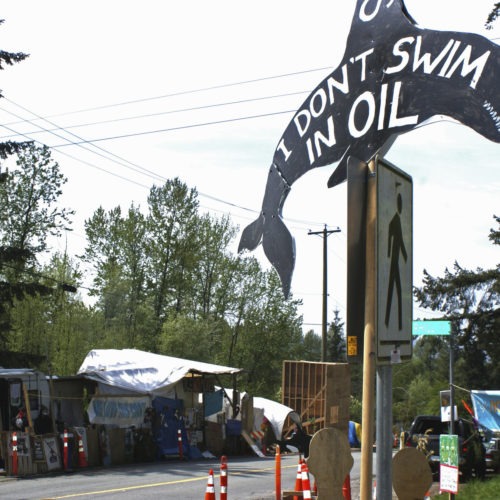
x: 324, y: 234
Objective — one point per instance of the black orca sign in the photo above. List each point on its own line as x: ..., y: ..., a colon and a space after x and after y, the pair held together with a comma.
x: 394, y: 77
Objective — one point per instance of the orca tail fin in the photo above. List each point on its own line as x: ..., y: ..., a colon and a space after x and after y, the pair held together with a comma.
x: 252, y: 235
x: 279, y: 247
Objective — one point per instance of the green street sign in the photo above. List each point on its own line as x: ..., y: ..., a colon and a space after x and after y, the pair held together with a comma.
x: 434, y: 327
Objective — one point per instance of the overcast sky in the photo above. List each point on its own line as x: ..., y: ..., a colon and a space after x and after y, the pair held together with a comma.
x: 203, y: 91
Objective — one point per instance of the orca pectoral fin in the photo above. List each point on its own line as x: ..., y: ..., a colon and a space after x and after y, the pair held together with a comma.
x: 252, y: 235
x: 340, y: 173
x: 279, y: 247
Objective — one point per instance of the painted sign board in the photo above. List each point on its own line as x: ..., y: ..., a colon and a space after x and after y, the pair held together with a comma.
x: 448, y: 467
x: 394, y: 76
x: 431, y: 327
x: 394, y: 262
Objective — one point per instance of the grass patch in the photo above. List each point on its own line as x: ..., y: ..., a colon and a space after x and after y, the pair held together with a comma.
x: 476, y: 490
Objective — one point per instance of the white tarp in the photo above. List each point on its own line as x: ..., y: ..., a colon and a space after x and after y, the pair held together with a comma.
x: 276, y: 413
x: 141, y: 371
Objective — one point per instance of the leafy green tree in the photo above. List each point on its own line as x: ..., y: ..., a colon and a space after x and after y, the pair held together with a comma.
x: 311, y: 346
x: 172, y: 224
x: 213, y: 261
x: 190, y: 338
x: 246, y: 286
x: 117, y: 249
x: 194, y: 298
x: 270, y: 333
x: 53, y: 327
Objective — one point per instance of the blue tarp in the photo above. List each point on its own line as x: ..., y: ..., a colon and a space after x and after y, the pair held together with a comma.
x: 213, y: 402
x: 354, y: 434
x: 167, y: 425
x: 487, y: 408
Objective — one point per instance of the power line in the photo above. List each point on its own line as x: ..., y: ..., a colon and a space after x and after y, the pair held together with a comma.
x: 132, y: 165
x: 81, y: 142
x: 171, y: 129
x: 191, y: 91
x: 149, y: 115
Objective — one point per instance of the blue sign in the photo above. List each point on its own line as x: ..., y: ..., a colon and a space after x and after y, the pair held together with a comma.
x: 431, y: 327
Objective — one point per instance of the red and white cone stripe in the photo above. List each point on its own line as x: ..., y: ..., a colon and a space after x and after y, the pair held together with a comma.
x: 306, y: 484
x: 298, y: 479
x: 210, y: 491
x: 223, y: 478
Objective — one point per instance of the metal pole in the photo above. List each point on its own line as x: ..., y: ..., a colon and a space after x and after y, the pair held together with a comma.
x: 383, y: 467
x: 452, y: 397
x: 369, y: 340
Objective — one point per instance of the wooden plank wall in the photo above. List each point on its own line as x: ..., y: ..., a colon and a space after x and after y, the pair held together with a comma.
x: 318, y: 392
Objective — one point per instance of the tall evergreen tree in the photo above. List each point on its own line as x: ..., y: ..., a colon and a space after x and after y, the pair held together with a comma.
x: 336, y: 345
x: 471, y: 301
x: 28, y: 193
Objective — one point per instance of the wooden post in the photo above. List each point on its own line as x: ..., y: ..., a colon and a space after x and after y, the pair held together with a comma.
x: 369, y: 339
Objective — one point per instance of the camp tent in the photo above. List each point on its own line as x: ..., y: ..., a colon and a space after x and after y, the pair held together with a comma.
x: 139, y: 378
x: 144, y: 390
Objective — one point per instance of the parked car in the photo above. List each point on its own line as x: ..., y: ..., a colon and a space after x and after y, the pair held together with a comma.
x: 424, y: 434
x: 493, y: 454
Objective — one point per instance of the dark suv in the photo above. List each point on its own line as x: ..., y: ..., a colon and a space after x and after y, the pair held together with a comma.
x: 424, y: 434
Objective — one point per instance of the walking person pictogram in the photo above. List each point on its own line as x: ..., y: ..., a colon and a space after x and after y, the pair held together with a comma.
x: 396, y: 247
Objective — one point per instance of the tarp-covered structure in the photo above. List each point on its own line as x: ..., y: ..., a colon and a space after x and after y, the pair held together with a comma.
x: 159, y: 394
x: 143, y: 372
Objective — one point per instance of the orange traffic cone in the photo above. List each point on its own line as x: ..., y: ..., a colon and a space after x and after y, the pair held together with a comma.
x: 306, y: 484
x: 223, y: 478
x: 210, y: 491
x: 346, y: 488
x: 298, y: 478
x: 82, y: 459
